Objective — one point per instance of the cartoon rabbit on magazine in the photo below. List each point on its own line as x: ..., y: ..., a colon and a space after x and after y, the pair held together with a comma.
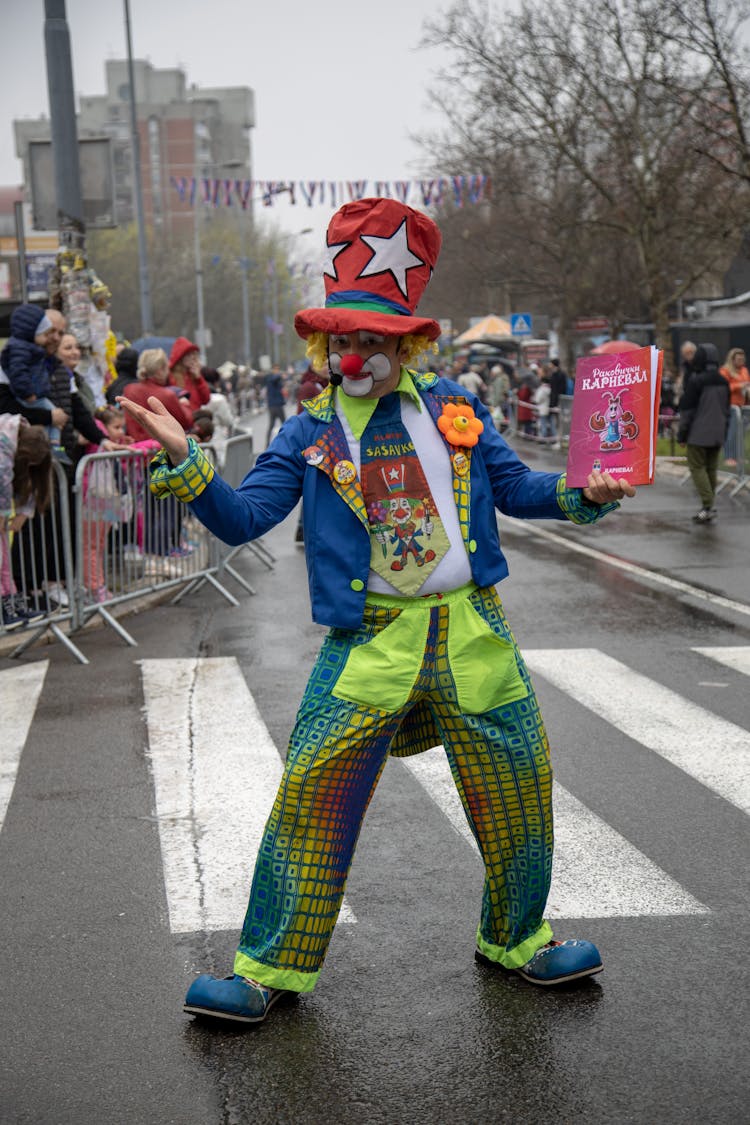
x: 614, y: 424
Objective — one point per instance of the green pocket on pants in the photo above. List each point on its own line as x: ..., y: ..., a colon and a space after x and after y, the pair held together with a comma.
x: 381, y: 673
x: 484, y: 666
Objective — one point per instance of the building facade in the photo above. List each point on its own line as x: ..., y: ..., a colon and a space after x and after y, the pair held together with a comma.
x: 185, y: 132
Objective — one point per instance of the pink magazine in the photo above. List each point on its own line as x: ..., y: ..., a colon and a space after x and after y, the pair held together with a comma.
x: 615, y: 416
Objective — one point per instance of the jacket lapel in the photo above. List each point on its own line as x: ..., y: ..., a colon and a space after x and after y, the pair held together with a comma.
x: 336, y: 460
x: 460, y: 459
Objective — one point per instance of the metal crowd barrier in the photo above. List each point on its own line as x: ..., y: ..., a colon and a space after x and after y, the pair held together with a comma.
x: 37, y: 565
x: 564, y: 415
x: 129, y: 543
x: 106, y: 540
x: 735, y: 462
x: 557, y: 414
x: 732, y: 476
x: 238, y: 461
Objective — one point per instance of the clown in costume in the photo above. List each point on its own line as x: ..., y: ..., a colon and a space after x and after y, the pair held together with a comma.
x: 400, y: 475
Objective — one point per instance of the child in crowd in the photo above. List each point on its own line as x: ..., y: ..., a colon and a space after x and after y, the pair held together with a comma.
x: 203, y: 426
x: 542, y: 401
x: 25, y: 485
x: 24, y: 361
x: 108, y: 489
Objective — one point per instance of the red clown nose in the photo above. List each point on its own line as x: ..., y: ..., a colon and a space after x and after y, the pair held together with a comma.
x: 351, y: 364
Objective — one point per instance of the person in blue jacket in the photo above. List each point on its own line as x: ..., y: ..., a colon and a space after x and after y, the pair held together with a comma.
x: 400, y: 475
x: 25, y: 363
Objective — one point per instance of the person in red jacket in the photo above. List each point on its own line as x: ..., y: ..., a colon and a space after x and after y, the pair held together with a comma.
x: 526, y: 416
x: 185, y: 372
x: 311, y: 385
x: 153, y: 376
x: 162, y: 523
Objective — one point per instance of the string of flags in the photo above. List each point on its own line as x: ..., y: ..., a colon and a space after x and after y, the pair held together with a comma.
x: 459, y: 190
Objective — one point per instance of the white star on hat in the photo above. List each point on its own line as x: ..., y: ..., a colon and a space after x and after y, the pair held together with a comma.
x: 332, y: 252
x: 391, y: 255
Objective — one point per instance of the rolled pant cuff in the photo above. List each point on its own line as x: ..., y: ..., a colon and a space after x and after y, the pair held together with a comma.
x: 288, y: 979
x: 520, y: 954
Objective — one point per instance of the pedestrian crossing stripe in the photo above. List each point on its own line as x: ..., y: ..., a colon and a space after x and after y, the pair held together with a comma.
x: 710, y: 749
x: 215, y: 771
x: 20, y: 689
x: 596, y: 872
x: 737, y: 658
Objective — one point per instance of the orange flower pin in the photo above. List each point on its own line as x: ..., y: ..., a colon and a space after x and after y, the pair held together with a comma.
x: 458, y: 425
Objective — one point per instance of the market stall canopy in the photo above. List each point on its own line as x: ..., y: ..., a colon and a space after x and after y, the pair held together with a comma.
x: 614, y: 347
x: 489, y: 329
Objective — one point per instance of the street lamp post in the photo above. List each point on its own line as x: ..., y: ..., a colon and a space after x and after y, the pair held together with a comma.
x: 275, y: 314
x: 145, y: 288
x: 288, y: 307
x: 244, y: 261
x: 198, y: 257
x: 63, y: 125
x: 244, y: 275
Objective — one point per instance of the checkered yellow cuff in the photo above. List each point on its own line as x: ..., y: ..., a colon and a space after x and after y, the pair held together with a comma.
x: 576, y: 508
x: 187, y: 480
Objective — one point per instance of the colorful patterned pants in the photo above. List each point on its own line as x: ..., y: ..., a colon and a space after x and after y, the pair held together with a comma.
x: 498, y: 756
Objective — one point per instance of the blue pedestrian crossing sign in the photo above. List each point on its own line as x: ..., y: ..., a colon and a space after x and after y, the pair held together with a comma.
x: 520, y: 324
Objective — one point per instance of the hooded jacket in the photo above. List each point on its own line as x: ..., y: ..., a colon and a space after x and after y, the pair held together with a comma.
x: 704, y: 406
x: 23, y: 362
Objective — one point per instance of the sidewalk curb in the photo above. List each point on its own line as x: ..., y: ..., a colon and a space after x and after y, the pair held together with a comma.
x: 127, y: 609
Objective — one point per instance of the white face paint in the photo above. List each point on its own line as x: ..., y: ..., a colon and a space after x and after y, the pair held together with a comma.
x: 377, y: 368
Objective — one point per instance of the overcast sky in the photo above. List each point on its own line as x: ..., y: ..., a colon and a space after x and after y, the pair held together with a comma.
x: 339, y: 84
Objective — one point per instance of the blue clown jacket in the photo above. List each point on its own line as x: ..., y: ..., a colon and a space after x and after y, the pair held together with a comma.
x: 300, y: 464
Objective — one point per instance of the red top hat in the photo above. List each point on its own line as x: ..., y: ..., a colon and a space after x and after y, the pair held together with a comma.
x: 380, y: 255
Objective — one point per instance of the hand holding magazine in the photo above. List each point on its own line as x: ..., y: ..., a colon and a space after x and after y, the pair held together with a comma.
x: 615, y: 416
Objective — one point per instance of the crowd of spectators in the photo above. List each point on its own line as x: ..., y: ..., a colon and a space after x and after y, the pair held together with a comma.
x: 41, y: 386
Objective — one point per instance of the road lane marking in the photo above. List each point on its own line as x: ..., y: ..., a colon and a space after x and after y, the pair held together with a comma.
x: 637, y: 571
x: 597, y: 872
x: 710, y: 749
x: 216, y: 771
x: 20, y: 689
x: 737, y: 658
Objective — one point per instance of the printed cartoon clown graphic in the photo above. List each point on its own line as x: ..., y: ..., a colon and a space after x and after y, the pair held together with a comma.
x: 407, y: 532
x: 614, y: 424
x: 407, y: 521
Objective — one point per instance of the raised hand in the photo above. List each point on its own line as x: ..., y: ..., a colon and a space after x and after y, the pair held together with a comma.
x: 162, y: 426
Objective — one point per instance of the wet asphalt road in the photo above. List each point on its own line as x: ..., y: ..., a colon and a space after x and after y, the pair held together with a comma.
x: 404, y: 1026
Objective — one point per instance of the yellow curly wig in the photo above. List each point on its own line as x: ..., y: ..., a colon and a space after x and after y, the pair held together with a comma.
x: 414, y: 348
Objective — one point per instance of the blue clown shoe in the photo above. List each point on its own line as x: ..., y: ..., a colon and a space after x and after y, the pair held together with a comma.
x: 233, y: 998
x: 557, y: 963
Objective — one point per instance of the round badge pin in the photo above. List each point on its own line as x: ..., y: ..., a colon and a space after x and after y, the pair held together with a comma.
x: 313, y: 455
x: 461, y: 464
x: 344, y: 472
